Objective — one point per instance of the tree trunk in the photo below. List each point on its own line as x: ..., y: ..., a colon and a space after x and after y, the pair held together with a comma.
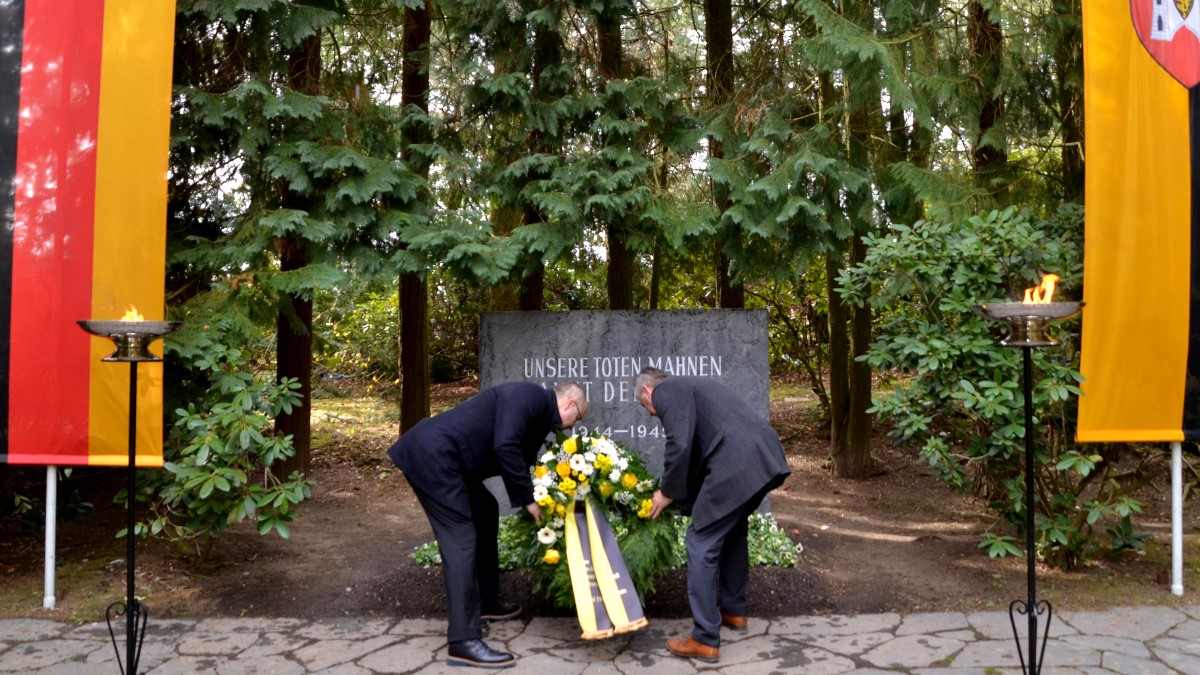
x: 1069, y: 63
x: 508, y: 294
x: 414, y: 291
x: 839, y: 358
x: 620, y: 258
x: 718, y: 38
x: 620, y: 269
x: 655, y: 273
x: 293, y: 357
x: 853, y: 460
x: 989, y: 161
x: 851, y: 446
x: 414, y: 350
x: 294, y: 329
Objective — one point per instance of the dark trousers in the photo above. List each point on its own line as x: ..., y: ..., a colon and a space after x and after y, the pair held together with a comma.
x: 718, y: 570
x: 470, y: 561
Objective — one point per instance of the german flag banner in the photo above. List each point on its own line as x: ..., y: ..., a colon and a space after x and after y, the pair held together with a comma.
x: 1141, y: 319
x: 85, y: 95
x: 605, y: 600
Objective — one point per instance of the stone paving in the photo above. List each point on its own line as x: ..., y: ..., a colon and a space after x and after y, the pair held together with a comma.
x: 1147, y: 640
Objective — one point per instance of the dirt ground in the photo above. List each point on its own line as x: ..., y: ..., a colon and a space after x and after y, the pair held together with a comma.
x: 897, y: 541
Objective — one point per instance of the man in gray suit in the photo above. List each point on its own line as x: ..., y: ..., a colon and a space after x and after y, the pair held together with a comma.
x: 721, y: 460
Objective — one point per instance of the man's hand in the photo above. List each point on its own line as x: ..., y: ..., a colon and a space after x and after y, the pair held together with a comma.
x: 660, y: 502
x: 535, y: 511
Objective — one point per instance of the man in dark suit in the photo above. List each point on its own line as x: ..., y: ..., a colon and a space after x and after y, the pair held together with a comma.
x: 721, y: 460
x: 445, y: 458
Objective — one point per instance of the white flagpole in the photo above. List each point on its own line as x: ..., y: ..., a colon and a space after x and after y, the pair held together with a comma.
x: 48, y: 600
x: 1177, y: 518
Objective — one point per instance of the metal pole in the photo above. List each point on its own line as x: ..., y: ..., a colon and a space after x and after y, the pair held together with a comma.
x: 1030, y: 501
x: 1030, y: 606
x: 1177, y: 518
x: 130, y: 601
x: 135, y: 614
x: 48, y: 598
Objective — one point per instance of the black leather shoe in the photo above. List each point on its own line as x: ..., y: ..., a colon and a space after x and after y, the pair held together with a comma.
x: 476, y: 653
x: 500, y: 611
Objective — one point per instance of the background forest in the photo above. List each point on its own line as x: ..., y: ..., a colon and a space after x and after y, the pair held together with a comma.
x: 353, y: 181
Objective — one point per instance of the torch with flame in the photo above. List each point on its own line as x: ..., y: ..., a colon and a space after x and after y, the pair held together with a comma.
x: 1043, y: 293
x: 1027, y: 320
x: 132, y: 335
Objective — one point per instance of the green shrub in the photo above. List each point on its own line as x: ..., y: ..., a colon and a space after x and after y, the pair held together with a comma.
x: 963, y: 406
x: 361, y: 335
x: 219, y: 457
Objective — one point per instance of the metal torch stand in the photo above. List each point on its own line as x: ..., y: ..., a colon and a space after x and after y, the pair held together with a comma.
x: 132, y: 338
x: 1031, y: 606
x: 135, y: 613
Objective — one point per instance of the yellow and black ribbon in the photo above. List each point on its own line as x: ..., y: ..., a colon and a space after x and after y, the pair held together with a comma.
x: 605, y: 599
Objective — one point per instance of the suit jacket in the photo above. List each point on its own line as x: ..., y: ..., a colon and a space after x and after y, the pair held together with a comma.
x: 719, y: 452
x: 497, y: 432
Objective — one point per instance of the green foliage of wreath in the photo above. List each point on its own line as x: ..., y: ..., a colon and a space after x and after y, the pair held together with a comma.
x: 615, y: 479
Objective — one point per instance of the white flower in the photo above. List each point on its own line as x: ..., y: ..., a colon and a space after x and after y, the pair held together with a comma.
x: 645, y: 485
x: 582, y: 491
x: 547, y: 536
x: 622, y: 463
x: 590, y: 457
x: 548, y: 457
x: 557, y: 523
x: 546, y: 480
x: 539, y: 492
x: 580, y: 464
x: 606, y: 446
x: 614, y: 476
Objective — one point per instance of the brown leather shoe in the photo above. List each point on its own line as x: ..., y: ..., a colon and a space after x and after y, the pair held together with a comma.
x: 735, y: 623
x: 688, y: 648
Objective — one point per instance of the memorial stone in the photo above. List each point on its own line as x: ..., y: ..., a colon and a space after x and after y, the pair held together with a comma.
x: 605, y: 350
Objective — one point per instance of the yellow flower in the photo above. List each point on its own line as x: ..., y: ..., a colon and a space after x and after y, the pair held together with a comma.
x: 552, y: 557
x: 546, y: 502
x: 569, y: 446
x: 607, y: 488
x: 629, y: 480
x: 560, y: 510
x: 567, y: 486
x: 539, y: 471
x: 563, y: 469
x: 644, y: 512
x: 603, y: 463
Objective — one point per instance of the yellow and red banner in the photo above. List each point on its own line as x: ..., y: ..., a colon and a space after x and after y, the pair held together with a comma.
x: 85, y: 97
x: 1138, y: 356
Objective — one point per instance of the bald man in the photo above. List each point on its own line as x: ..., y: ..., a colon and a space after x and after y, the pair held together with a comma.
x: 445, y: 458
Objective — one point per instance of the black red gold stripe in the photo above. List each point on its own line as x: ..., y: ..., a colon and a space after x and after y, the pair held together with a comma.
x: 87, y: 223
x: 12, y: 20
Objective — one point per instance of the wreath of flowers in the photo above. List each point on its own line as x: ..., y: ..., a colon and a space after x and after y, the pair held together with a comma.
x: 580, y: 467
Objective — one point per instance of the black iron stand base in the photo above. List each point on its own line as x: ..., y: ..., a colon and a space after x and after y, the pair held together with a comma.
x: 135, y: 632
x: 1033, y: 609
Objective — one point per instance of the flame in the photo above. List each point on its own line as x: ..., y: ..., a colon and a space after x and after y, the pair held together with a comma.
x: 1043, y: 292
x: 133, y: 315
